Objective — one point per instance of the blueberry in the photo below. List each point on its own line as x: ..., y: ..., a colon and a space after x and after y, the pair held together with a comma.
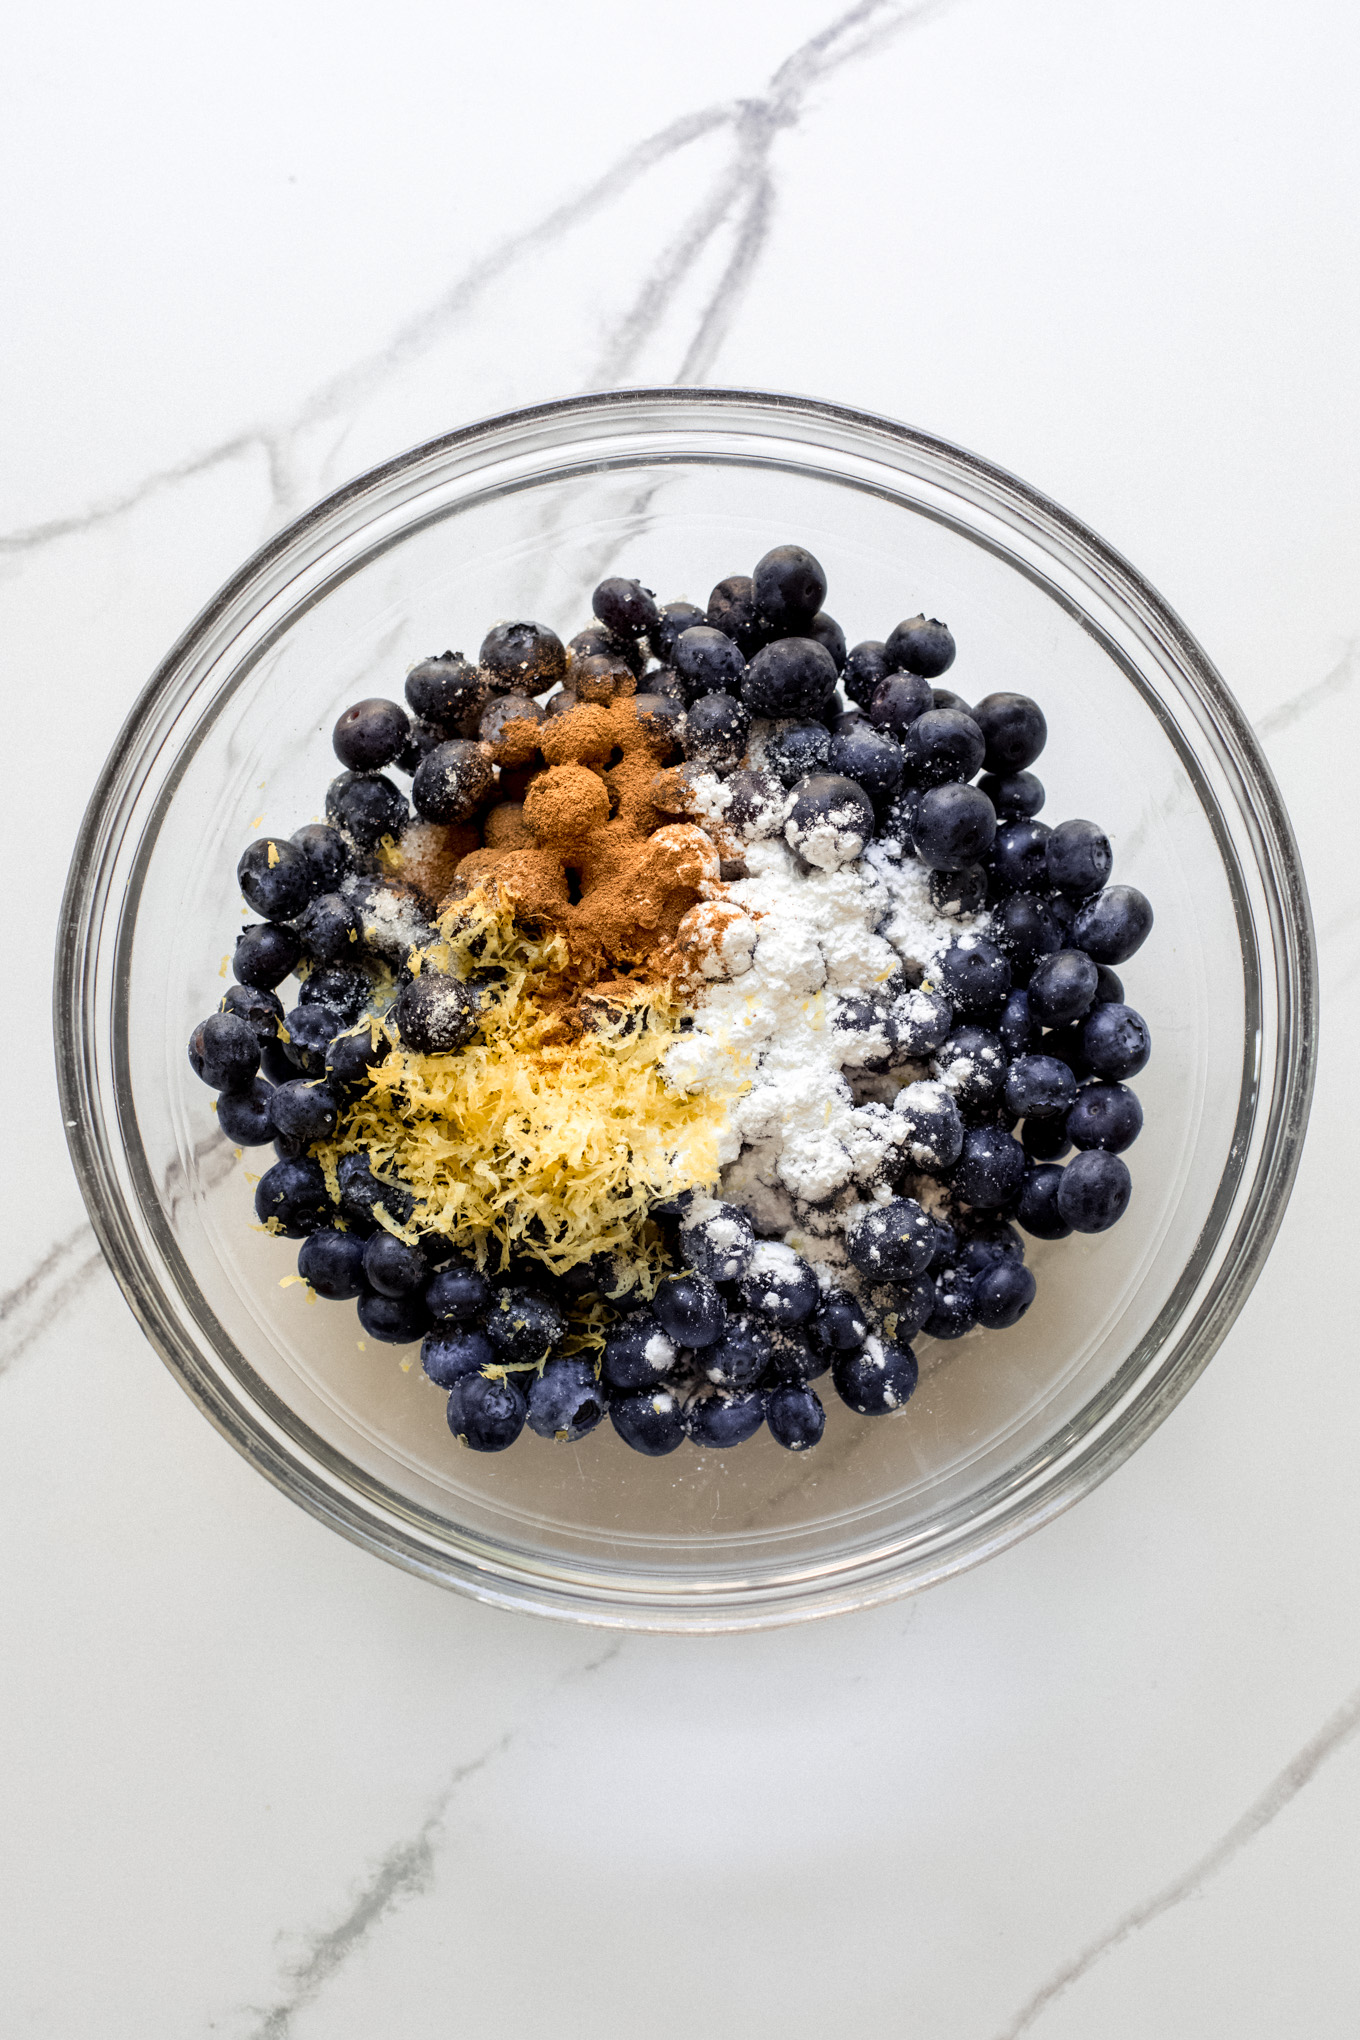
x: 871, y: 759
x: 393, y: 1268
x: 265, y: 954
x: 975, y: 976
x: 1045, y: 1140
x: 1026, y: 930
x: 946, y: 1247
x: 370, y: 734
x: 436, y: 1013
x: 795, y: 1417
x: 452, y: 782
x: 1020, y: 857
x: 922, y: 645
x: 1116, y: 1042
x: 674, y: 619
x: 1061, y: 987
x: 243, y: 1116
x: 838, y: 1325
x: 1014, y: 729
x: 1109, y: 987
x: 300, y: 1113
x: 523, y: 1326
x: 367, y: 807
x: 1079, y: 859
x: 637, y: 1352
x: 345, y: 991
x: 329, y: 928
x: 866, y: 665
x: 350, y: 1057
x: 626, y: 608
x: 956, y: 893
x: 794, y: 676
x: 973, y: 1066
x: 1114, y: 924
x: 953, y: 827
x: 719, y: 1418
x: 740, y: 1356
x: 396, y: 1320
x: 1017, y: 1027
x: 713, y: 733
x: 1002, y: 1295
x: 942, y: 746
x: 650, y: 1422
x: 457, y: 1294
x: 732, y: 610
x: 1039, y: 1087
x: 1094, y: 1192
x: 294, y: 1194
x: 891, y: 1242
x: 361, y: 1192
x: 1067, y: 1044
x: 708, y: 662
x: 830, y: 821
x: 447, y: 1355
x: 446, y: 691
x: 261, y: 1010
x: 690, y: 1310
x: 933, y: 1130
x: 333, y: 1263
x: 275, y: 878
x: 897, y: 821
x: 1105, y: 1116
x: 522, y: 658
x: 910, y: 1306
x: 945, y: 697
x: 486, y: 1416
x: 1037, y: 1207
x: 311, y: 1029
x: 953, y: 1313
x: 991, y: 1168
x: 603, y: 678
x: 565, y: 1401
x: 828, y: 633
x: 325, y: 854
x: 506, y: 727
x: 898, y: 702
x: 797, y: 749
x: 789, y: 587
x: 224, y: 1052
x: 717, y: 1240
x: 1017, y: 796
x: 876, y: 1379
x: 778, y: 1284
x: 755, y: 805
x: 1064, y: 919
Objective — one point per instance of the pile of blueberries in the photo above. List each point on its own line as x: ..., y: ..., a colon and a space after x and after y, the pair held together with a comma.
x: 1025, y: 1027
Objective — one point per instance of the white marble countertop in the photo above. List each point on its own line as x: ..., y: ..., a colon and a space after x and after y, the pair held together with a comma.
x: 260, y: 1786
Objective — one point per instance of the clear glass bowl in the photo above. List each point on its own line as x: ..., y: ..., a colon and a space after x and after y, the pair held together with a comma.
x: 522, y: 515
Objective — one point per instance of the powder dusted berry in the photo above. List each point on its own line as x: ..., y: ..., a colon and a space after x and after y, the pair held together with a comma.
x: 522, y: 658
x: 638, y: 1352
x: 651, y: 1421
x: 446, y: 691
x: 830, y: 820
x: 991, y: 1167
x: 898, y: 702
x: 732, y: 610
x: 941, y: 746
x: 325, y: 853
x: 447, y: 1354
x: 329, y: 928
x: 892, y: 1242
x: 366, y: 806
x: 876, y: 1380
x: 523, y: 1327
x: 436, y: 1013
x: 673, y: 619
x: 778, y: 1285
x: 717, y: 1240
x: 452, y: 781
x: 690, y: 1310
x: 718, y: 1418
x: 626, y: 608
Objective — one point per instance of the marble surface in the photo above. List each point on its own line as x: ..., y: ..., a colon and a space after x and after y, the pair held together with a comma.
x: 262, y: 1787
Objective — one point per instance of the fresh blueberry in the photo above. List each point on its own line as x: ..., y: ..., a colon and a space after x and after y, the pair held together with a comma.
x: 1116, y: 1041
x: 1018, y: 796
x: 866, y: 666
x: 275, y: 878
x: 596, y: 643
x: 1064, y: 915
x: 975, y: 976
x: 637, y: 1352
x: 626, y: 608
x: 1020, y: 857
x: 452, y: 782
x: 1045, y: 1140
x: 871, y: 759
x: 346, y: 991
x: 521, y: 658
x: 953, y: 827
x: 1017, y: 1027
x: 361, y: 1192
x: 325, y: 853
x: 898, y: 702
x: 243, y: 1116
x: 1061, y: 987
x: 1014, y: 729
x: 713, y: 733
x: 457, y: 1294
x: 1094, y: 1192
x: 370, y: 734
x: 732, y: 610
x: 350, y: 1057
x: 953, y: 1313
x: 1039, y: 1087
x: 1068, y: 1045
x: 991, y: 1168
x: 945, y: 697
x: 367, y: 807
x: 828, y: 633
x: 265, y: 954
x: 912, y: 1303
x: 1037, y: 1207
x: 717, y: 1240
x: 876, y: 1379
x: 830, y: 821
x: 1080, y: 859
x: 651, y: 1421
x: 447, y: 1354
x: 838, y: 1325
x: 333, y: 1263
x: 932, y: 1127
x: 436, y: 1013
x: 673, y: 620
x: 971, y: 1063
x: 293, y: 1194
x: 1026, y: 930
x: 795, y: 1417
x: 396, y: 1320
x: 446, y: 691
x: 947, y: 1247
x: 1105, y: 1116
x: 778, y: 1284
x: 1109, y: 987
x: 486, y: 1415
x: 942, y: 746
x: 1114, y: 924
x: 794, y: 676
x: 796, y: 749
x: 311, y: 1030
x: 224, y: 1052
x: 898, y: 819
x: 708, y: 662
x: 789, y: 587
x: 740, y: 1356
x: 329, y: 928
x: 565, y: 1401
x: 1002, y: 1294
x: 523, y: 1326
x: 690, y: 1310
x: 922, y: 645
x: 718, y: 1418
x: 393, y: 1268
x: 300, y: 1113
x: 891, y: 1242
x: 955, y: 893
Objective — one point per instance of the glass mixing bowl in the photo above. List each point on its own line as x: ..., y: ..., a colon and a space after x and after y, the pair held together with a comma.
x: 522, y: 515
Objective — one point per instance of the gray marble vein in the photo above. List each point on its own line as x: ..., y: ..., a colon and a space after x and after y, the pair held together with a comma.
x: 403, y: 1872
x: 28, y: 1309
x: 1298, y: 705
x: 1297, y: 1773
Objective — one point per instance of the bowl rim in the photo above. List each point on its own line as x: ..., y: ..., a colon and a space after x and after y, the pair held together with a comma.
x: 381, y: 1530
